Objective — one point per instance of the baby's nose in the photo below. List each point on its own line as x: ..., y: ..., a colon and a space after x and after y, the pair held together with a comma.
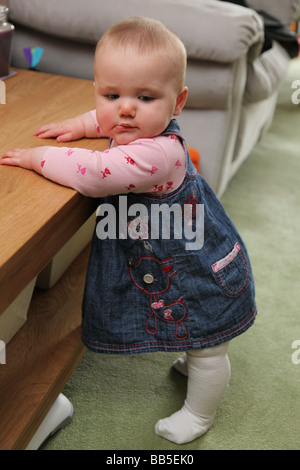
x: 127, y: 108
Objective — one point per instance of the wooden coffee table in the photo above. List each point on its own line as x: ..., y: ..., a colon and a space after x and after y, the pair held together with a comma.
x: 37, y: 217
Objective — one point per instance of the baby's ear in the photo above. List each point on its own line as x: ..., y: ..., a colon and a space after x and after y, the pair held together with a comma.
x: 181, y: 100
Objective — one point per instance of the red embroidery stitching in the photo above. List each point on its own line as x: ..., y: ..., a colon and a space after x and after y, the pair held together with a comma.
x: 168, y: 314
x: 191, y: 211
x: 156, y: 305
x: 169, y: 344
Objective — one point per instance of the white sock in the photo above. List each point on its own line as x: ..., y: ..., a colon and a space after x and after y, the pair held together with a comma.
x: 208, y: 377
x: 181, y: 365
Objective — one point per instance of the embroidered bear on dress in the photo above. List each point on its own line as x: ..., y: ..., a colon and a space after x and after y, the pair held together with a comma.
x: 154, y: 278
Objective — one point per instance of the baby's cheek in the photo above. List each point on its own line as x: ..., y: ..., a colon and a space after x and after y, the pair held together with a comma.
x: 105, y: 121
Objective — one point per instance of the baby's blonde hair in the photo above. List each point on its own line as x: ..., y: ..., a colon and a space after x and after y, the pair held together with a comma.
x: 146, y: 35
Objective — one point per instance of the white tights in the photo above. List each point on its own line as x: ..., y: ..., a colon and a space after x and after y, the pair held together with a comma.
x: 208, y: 372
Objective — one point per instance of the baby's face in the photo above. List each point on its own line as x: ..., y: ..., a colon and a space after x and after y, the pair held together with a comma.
x: 136, y: 94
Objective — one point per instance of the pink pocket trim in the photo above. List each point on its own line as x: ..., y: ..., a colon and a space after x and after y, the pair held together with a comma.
x: 224, y: 261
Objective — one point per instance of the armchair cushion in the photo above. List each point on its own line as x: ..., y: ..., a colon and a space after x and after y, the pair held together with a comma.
x: 209, y: 84
x: 195, y: 22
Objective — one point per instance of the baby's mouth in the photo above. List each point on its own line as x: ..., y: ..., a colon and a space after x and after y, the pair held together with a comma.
x: 124, y: 127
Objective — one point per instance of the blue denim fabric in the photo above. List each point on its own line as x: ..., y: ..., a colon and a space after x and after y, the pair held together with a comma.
x: 154, y: 294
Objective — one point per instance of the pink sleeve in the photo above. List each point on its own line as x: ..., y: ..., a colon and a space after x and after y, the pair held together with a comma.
x: 97, y: 127
x: 145, y: 165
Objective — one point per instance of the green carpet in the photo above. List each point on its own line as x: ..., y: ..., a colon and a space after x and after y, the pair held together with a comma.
x: 117, y: 400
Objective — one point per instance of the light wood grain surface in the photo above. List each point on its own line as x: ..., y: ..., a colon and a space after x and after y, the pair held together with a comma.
x: 37, y: 217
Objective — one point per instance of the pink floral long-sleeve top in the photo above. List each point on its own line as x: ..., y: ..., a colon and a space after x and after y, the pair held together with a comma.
x: 151, y: 165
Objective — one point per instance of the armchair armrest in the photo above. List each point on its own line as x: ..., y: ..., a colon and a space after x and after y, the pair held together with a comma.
x: 219, y: 32
x: 287, y: 11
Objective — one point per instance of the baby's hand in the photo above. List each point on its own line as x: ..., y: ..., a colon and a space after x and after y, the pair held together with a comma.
x: 64, y: 131
x: 29, y: 159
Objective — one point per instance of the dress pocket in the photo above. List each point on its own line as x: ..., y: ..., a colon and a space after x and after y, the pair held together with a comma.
x: 232, y: 272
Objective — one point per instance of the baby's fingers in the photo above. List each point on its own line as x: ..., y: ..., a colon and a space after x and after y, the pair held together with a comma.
x: 65, y: 137
x: 46, y: 131
x: 13, y: 153
x: 53, y: 130
x: 12, y: 157
x: 12, y: 161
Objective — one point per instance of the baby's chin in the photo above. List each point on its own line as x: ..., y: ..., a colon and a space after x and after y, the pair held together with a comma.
x: 128, y: 139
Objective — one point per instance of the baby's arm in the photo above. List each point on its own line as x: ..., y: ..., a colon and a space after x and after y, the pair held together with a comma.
x: 71, y: 129
x: 141, y: 166
x: 30, y: 159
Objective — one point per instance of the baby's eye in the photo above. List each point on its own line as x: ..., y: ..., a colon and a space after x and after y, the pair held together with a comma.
x: 146, y: 98
x: 112, y: 96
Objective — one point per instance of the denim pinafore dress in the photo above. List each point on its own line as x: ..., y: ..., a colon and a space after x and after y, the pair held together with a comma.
x: 155, y: 288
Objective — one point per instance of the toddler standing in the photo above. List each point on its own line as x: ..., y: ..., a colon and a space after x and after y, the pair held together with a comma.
x: 148, y: 287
